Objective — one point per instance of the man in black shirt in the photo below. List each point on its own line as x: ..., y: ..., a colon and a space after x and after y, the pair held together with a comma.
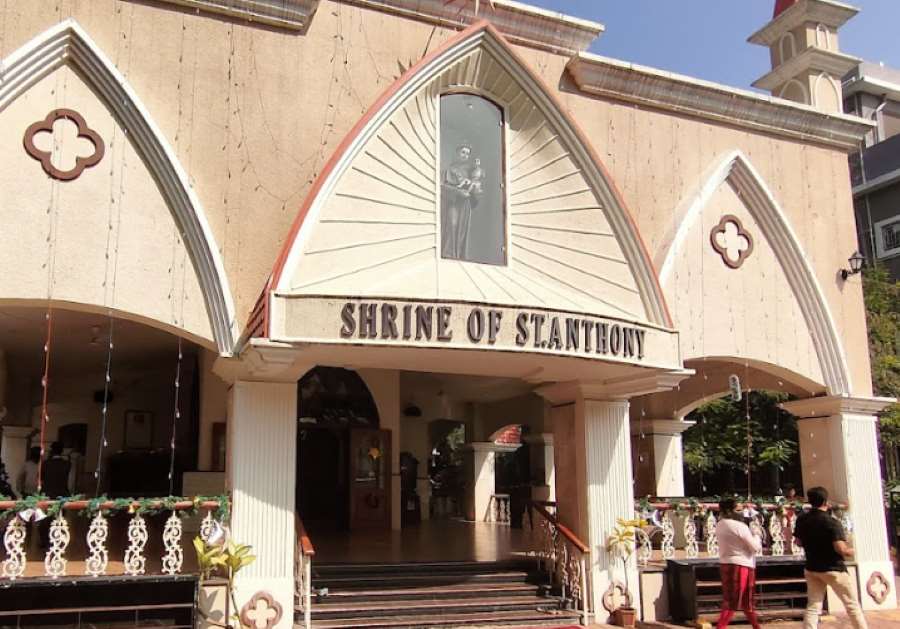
x: 825, y: 543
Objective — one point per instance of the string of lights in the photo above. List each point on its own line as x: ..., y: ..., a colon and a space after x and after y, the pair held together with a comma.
x: 176, y: 415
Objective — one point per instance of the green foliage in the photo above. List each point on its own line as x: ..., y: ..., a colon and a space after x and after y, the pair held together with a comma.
x: 229, y: 557
x: 882, y: 298
x: 719, y: 440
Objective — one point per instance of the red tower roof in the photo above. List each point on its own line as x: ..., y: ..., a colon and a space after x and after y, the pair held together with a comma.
x: 781, y: 6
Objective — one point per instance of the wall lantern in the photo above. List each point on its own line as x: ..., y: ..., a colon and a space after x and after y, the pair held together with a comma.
x: 856, y: 264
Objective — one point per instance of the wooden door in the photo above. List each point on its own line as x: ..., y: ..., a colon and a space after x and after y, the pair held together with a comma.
x: 370, y: 478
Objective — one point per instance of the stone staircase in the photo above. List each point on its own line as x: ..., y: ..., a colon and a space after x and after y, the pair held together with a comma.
x: 444, y: 594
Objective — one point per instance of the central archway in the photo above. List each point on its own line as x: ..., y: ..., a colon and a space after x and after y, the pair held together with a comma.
x: 335, y: 410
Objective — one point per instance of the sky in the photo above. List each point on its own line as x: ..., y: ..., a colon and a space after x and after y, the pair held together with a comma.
x: 707, y: 39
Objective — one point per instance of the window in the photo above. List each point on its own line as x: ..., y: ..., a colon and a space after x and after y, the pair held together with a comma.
x: 473, y: 218
x: 887, y: 237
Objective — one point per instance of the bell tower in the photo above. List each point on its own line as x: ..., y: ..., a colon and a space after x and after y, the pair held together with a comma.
x: 807, y: 65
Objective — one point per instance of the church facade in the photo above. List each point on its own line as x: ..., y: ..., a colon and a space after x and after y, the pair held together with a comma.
x: 483, y: 222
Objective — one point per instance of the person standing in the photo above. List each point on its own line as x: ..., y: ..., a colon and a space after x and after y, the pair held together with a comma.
x: 737, y: 564
x: 55, y: 474
x: 27, y: 481
x: 825, y: 543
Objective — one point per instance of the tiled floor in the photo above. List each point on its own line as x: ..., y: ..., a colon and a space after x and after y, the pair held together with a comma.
x: 435, y: 540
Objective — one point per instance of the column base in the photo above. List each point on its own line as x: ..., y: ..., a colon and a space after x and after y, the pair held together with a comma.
x: 876, y: 579
x: 279, y: 588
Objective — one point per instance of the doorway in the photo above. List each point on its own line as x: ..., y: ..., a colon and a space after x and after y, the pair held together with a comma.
x: 343, y: 477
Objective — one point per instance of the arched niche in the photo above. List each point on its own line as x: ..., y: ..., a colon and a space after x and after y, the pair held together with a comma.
x: 787, y: 47
x: 336, y: 398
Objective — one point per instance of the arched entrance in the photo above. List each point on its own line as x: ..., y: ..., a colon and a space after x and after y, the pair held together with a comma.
x: 343, y: 472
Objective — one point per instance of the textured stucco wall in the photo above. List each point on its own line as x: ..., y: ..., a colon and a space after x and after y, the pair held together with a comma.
x: 253, y: 113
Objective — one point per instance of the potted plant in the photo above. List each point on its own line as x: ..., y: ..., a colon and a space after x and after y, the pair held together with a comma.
x: 621, y: 545
x: 223, y: 554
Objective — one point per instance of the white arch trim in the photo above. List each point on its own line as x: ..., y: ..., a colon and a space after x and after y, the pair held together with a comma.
x: 789, y: 38
x: 480, y: 35
x: 835, y: 89
x: 803, y: 91
x: 68, y: 44
x: 737, y: 170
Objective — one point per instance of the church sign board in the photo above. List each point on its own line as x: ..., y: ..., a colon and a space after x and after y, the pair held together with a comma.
x: 467, y: 325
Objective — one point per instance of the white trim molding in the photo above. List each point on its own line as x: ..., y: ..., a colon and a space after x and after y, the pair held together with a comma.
x: 619, y: 80
x: 289, y: 14
x: 455, y: 57
x: 520, y: 23
x: 827, y: 12
x: 829, y: 405
x: 811, y: 59
x: 67, y: 44
x: 737, y: 170
x: 668, y: 427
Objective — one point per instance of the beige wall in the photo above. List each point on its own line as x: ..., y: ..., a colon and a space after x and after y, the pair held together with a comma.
x: 107, y: 238
x: 253, y: 114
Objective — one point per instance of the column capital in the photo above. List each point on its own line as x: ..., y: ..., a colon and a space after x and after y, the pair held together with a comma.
x: 614, y: 389
x: 670, y: 427
x: 490, y: 446
x: 830, y: 405
x: 263, y: 360
x: 17, y: 432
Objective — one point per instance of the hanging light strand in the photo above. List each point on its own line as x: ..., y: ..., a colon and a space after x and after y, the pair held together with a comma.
x: 104, y: 411
x: 45, y: 385
x: 749, y: 430
x: 176, y: 415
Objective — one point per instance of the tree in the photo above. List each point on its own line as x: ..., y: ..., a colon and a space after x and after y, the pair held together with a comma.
x: 716, y: 448
x: 882, y: 299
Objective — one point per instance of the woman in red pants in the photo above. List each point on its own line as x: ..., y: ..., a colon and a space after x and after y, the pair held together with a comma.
x: 737, y: 564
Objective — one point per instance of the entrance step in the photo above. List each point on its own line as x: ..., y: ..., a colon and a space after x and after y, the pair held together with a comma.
x: 435, y: 594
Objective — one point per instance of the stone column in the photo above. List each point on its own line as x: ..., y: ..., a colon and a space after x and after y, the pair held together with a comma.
x: 839, y: 451
x: 591, y: 430
x: 664, y: 447
x: 480, y: 479
x: 262, y: 443
x: 543, y: 471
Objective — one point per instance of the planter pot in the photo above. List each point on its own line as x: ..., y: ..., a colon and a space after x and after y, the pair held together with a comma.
x: 211, y: 602
x: 625, y: 616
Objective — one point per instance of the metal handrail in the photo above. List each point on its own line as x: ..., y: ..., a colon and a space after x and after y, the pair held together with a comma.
x: 303, y: 554
x: 569, y: 571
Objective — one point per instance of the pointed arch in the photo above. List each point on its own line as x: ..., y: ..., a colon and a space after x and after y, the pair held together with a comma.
x: 68, y: 44
x: 454, y: 60
x: 739, y: 172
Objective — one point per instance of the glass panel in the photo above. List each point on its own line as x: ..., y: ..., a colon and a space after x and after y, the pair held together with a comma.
x: 370, y: 462
x: 473, y: 225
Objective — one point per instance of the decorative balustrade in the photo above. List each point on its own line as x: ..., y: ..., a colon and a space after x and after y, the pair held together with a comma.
x: 560, y: 554
x: 498, y: 511
x: 18, y: 514
x: 774, y: 522
x: 303, y: 556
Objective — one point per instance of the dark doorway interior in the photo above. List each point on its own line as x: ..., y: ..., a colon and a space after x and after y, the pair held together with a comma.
x: 322, y: 488
x: 331, y: 402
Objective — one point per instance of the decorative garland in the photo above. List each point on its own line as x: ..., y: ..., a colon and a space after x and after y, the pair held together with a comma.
x: 139, y: 506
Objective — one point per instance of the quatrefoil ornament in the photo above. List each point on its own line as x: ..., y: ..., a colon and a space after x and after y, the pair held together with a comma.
x: 731, y: 241
x: 46, y: 157
x: 262, y: 611
x: 878, y: 587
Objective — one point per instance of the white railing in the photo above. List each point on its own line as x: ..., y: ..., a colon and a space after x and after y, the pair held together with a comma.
x: 498, y: 510
x: 775, y: 524
x: 303, y: 557
x: 561, y: 555
x: 56, y: 564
